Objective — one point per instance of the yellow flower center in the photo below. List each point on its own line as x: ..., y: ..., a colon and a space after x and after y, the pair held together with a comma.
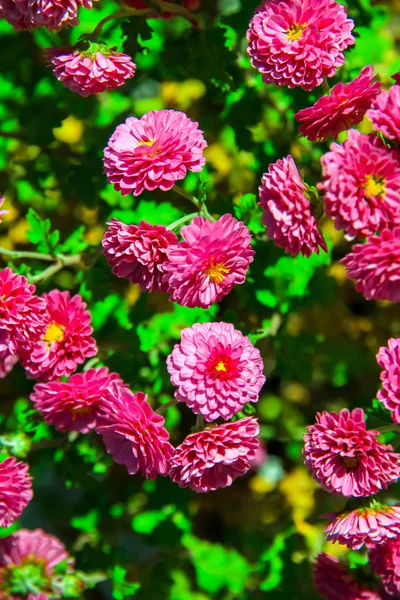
x: 374, y: 187
x: 217, y: 272
x: 146, y: 143
x: 54, y: 333
x: 220, y: 366
x: 295, y: 31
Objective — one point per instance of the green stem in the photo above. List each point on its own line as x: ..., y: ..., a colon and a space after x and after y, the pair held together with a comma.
x: 34, y: 255
x: 120, y: 14
x: 388, y: 428
x: 178, y: 224
x: 325, y: 86
x: 201, y: 207
x: 200, y: 421
x: 61, y: 262
x: 161, y: 409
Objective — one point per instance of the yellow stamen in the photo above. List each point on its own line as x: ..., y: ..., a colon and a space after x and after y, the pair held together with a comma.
x: 217, y: 272
x: 146, y: 143
x: 54, y: 333
x: 220, y: 366
x: 295, y: 31
x: 374, y: 187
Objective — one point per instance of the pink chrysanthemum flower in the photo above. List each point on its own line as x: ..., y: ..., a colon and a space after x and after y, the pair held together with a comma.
x: 375, y: 266
x: 343, y: 108
x: 215, y: 457
x: 384, y: 559
x: 374, y: 524
x: 216, y: 369
x: 33, y: 555
x: 138, y: 252
x: 7, y: 363
x: 133, y: 434
x: 74, y: 405
x: 345, y: 458
x: 335, y: 582
x: 29, y: 14
x: 299, y: 42
x: 66, y: 342
x: 2, y: 212
x: 211, y: 260
x: 90, y: 71
x: 361, y: 184
x: 288, y: 214
x: 15, y: 490
x: 153, y: 152
x: 388, y: 359
x: 385, y: 113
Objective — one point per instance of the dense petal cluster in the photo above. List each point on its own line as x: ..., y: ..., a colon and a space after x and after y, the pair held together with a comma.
x: 2, y: 212
x: 29, y: 14
x: 133, y: 434
x: 215, y: 457
x: 299, y: 42
x: 384, y: 559
x: 361, y: 184
x: 138, y: 252
x: 345, y: 458
x: 66, y: 342
x: 212, y: 258
x: 15, y: 490
x: 388, y: 359
x: 375, y: 266
x: 90, y: 71
x: 73, y: 405
x: 153, y: 152
x: 385, y: 113
x: 365, y: 525
x: 216, y: 369
x: 288, y: 214
x: 343, y: 108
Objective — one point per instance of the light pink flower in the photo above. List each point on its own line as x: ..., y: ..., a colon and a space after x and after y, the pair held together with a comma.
x: 66, y: 342
x: 29, y: 14
x: 288, y: 214
x: 215, y: 457
x: 375, y: 266
x: 211, y: 260
x: 133, y: 434
x: 384, y: 559
x: 388, y: 359
x: 385, y: 113
x: 361, y: 184
x: 343, y: 108
x: 299, y: 42
x: 74, y: 405
x: 138, y: 252
x: 374, y: 524
x: 90, y: 71
x: 153, y: 152
x: 216, y: 369
x: 2, y: 212
x: 15, y: 490
x: 38, y: 597
x: 345, y: 458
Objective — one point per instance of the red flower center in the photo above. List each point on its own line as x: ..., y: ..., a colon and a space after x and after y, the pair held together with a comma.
x: 221, y: 365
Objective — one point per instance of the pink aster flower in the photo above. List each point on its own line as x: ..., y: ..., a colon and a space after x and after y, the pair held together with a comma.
x: 215, y: 457
x: 344, y: 107
x: 385, y: 113
x: 138, y: 252
x: 211, y: 260
x: 15, y: 490
x: 388, y: 359
x: 345, y: 458
x: 216, y: 369
x: 29, y: 14
x: 374, y: 524
x: 288, y: 214
x: 299, y: 42
x: 74, y: 405
x: 153, y: 152
x: 384, y: 559
x: 375, y: 266
x: 90, y: 71
x: 2, y: 212
x: 361, y: 184
x: 133, y: 434
x: 66, y: 342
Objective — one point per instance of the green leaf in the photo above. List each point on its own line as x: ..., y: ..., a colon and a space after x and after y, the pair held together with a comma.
x: 39, y: 233
x: 74, y: 243
x: 121, y: 588
x: 86, y: 523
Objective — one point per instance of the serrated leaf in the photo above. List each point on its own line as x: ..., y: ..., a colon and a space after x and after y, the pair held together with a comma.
x: 39, y: 233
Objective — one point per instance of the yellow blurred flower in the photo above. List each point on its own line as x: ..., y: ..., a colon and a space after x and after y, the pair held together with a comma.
x: 71, y: 130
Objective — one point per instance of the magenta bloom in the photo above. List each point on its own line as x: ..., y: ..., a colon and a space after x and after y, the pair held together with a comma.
x: 385, y: 113
x: 216, y: 369
x: 138, y: 252
x: 153, y: 152
x: 375, y: 266
x: 133, y: 434
x: 211, y: 260
x: 90, y: 71
x: 288, y: 215
x: 67, y: 340
x: 361, y: 185
x: 2, y: 212
x: 345, y: 458
x: 215, y: 457
x: 384, y: 559
x: 15, y: 490
x: 389, y: 360
x: 74, y: 405
x: 343, y: 108
x: 7, y: 363
x: 299, y: 42
x: 29, y: 14
x: 365, y: 525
